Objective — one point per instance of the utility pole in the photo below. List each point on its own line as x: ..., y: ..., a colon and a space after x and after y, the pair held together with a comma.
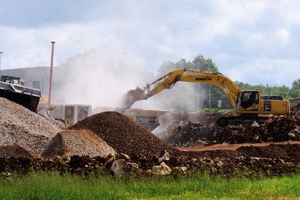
x: 51, y: 70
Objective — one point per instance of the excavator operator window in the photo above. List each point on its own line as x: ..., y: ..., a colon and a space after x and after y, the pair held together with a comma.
x: 239, y: 100
x: 249, y: 99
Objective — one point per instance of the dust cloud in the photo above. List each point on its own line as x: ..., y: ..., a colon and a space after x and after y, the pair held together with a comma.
x: 179, y: 98
x: 91, y: 79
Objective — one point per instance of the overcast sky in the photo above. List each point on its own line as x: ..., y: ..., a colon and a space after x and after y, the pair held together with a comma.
x: 256, y: 42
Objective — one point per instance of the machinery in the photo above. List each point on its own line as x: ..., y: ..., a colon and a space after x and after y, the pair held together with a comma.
x: 68, y: 113
x: 150, y: 119
x: 247, y: 104
x: 14, y: 89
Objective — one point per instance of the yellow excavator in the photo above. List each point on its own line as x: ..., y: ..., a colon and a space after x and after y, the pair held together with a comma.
x: 247, y: 104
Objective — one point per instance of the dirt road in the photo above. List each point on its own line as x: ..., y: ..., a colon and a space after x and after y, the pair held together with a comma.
x: 234, y: 147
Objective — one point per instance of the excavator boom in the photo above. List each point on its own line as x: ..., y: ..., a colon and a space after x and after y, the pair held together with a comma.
x: 187, y: 75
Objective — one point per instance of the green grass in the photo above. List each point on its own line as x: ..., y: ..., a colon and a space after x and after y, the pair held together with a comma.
x: 54, y: 186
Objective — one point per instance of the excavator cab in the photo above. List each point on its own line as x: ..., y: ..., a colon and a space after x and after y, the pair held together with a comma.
x: 248, y: 101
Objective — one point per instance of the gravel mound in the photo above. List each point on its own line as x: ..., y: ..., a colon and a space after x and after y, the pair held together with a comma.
x: 77, y: 142
x: 24, y: 128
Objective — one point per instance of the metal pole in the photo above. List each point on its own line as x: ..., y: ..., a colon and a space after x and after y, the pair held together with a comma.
x: 198, y: 102
x: 209, y: 98
x: 0, y: 61
x: 51, y: 70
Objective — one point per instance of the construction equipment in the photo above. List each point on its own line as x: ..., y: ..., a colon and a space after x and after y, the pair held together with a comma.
x: 67, y: 113
x: 14, y: 89
x: 247, y: 104
x: 149, y: 119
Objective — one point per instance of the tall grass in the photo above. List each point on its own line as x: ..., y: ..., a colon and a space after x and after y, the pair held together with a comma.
x: 199, y: 186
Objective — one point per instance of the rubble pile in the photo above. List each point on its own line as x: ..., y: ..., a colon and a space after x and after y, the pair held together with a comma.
x: 275, y: 129
x: 285, y: 127
x: 271, y: 160
x: 187, y: 133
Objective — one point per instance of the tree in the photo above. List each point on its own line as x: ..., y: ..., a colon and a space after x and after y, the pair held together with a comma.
x: 295, y: 91
x: 204, y: 64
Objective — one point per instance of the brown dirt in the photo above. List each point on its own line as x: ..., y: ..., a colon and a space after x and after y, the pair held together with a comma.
x: 126, y: 136
x: 234, y: 147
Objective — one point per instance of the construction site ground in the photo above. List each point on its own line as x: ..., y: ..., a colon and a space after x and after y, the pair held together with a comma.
x: 30, y: 142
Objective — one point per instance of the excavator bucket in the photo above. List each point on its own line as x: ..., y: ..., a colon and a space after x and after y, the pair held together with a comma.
x: 20, y: 94
x: 133, y: 96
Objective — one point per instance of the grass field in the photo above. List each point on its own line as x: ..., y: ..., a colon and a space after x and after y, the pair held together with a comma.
x: 201, y: 186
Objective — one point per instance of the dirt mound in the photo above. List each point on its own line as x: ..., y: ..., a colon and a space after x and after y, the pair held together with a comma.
x: 15, y: 151
x: 272, y: 151
x: 273, y: 160
x: 77, y: 142
x: 124, y: 135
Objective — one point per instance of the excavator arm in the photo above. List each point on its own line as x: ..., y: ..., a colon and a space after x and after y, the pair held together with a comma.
x: 186, y: 75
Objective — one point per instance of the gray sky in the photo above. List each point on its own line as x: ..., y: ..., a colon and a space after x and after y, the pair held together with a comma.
x: 256, y: 42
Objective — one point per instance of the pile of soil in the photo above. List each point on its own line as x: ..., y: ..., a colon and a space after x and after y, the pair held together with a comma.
x: 15, y: 151
x: 126, y: 136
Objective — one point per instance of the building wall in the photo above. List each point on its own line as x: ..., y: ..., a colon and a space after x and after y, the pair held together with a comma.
x: 37, y: 77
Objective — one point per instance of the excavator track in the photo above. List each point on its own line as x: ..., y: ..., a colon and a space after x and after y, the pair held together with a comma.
x: 244, y: 119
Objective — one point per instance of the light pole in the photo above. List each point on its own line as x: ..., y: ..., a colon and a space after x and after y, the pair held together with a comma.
x: 0, y: 60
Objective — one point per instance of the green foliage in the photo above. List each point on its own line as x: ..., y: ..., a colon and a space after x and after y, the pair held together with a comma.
x: 190, y: 186
x: 295, y: 91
